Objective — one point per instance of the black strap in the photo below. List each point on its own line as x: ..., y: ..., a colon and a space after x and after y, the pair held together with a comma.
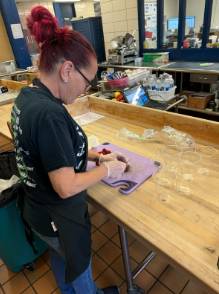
x: 28, y: 231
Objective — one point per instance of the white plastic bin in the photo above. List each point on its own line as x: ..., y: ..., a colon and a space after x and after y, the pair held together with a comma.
x: 137, y: 77
x: 162, y: 96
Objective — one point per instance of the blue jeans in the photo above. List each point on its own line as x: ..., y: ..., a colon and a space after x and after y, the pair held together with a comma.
x: 84, y: 284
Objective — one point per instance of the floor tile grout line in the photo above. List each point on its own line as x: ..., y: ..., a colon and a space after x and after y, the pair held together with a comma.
x: 96, y: 252
x: 34, y: 289
x: 109, y: 265
x: 55, y: 290
x: 100, y: 226
x: 2, y: 289
x: 31, y: 284
x: 101, y: 246
x: 94, y: 207
x: 101, y: 273
x: 40, y: 277
x: 157, y: 280
x: 114, y: 236
x: 11, y: 277
x: 153, y: 275
x: 45, y: 260
x: 184, y: 287
x: 152, y: 286
x: 108, y: 238
x: 167, y: 287
x: 93, y: 213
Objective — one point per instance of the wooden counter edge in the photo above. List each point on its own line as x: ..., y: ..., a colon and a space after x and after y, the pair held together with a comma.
x: 12, y: 85
x: 204, y: 132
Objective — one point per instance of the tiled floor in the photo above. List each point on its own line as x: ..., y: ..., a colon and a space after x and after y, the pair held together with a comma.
x: 107, y: 266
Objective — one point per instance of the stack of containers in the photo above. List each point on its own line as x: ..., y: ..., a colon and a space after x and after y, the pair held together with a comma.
x: 137, y: 76
x: 117, y: 81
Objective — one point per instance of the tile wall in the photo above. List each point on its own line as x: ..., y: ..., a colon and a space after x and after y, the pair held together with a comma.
x: 85, y: 9
x: 6, y: 52
x: 24, y: 7
x: 119, y: 17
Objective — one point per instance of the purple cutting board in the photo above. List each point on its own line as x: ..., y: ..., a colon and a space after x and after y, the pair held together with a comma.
x: 140, y: 169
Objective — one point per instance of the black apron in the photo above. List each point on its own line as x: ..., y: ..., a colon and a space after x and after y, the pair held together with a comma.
x: 72, y: 221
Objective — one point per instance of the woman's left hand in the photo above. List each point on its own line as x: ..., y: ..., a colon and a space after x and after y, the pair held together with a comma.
x: 114, y: 156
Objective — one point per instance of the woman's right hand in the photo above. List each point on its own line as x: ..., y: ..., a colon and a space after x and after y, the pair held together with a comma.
x: 115, y: 169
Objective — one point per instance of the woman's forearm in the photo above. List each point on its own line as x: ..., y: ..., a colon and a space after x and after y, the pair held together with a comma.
x: 68, y: 183
x: 93, y: 156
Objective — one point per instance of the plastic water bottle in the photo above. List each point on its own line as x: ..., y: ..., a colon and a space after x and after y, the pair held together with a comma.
x: 154, y: 81
x: 146, y: 83
x: 158, y: 85
x: 171, y: 80
x: 150, y: 84
x: 166, y: 85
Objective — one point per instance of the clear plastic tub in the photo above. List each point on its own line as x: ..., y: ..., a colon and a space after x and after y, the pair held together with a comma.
x: 137, y: 77
x: 162, y: 96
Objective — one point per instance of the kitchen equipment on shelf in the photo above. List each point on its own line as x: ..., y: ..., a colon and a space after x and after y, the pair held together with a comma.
x: 123, y: 50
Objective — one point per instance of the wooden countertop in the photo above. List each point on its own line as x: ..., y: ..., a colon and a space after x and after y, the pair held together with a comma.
x: 184, y: 232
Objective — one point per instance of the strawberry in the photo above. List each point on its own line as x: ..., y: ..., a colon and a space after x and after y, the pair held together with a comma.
x: 127, y: 167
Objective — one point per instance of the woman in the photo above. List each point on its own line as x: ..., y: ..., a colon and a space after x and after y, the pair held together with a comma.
x: 51, y: 152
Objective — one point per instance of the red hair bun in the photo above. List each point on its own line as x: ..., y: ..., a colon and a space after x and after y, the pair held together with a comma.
x: 57, y: 43
x: 42, y: 24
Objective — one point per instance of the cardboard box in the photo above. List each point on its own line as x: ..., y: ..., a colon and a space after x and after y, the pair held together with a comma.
x: 30, y: 76
x: 200, y: 100
x: 156, y: 57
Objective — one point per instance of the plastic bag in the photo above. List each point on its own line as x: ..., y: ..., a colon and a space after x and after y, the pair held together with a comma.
x: 181, y: 139
x: 5, y: 184
x: 93, y: 142
x: 126, y: 135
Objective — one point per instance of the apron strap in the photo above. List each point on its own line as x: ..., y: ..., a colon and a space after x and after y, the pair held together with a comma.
x: 28, y: 231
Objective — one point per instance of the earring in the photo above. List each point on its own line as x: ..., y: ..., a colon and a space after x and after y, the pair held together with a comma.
x: 65, y: 81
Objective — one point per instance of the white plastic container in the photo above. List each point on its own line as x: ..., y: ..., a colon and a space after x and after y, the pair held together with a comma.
x: 162, y: 96
x: 137, y: 77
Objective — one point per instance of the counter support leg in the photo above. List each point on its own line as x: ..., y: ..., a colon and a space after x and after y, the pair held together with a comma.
x: 131, y: 288
x: 181, y: 82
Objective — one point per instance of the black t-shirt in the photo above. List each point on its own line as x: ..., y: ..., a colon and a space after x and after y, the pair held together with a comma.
x: 46, y: 138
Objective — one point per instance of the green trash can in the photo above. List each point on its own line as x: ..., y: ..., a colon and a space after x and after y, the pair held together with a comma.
x: 15, y: 251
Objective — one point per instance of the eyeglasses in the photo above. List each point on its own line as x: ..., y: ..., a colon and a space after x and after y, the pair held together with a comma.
x: 88, y: 88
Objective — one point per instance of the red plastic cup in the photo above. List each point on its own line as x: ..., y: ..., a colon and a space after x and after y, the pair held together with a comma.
x: 185, y: 43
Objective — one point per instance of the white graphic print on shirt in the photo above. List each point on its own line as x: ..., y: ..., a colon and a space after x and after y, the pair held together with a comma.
x: 79, y: 133
x: 20, y: 152
x: 81, y: 149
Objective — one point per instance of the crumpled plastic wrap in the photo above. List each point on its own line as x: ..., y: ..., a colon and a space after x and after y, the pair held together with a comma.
x: 93, y: 142
x: 126, y: 135
x: 181, y: 139
x: 5, y: 184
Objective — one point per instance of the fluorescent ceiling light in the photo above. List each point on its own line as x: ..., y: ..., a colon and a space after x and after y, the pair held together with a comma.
x: 97, y: 0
